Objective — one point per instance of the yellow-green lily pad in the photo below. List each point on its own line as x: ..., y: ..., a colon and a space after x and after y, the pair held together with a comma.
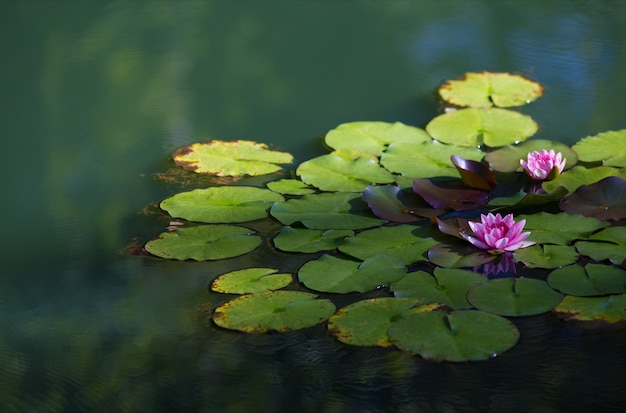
x: 250, y: 280
x: 606, y: 309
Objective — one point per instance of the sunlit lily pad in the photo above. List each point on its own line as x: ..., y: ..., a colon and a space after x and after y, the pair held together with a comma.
x: 608, y: 147
x: 340, y: 210
x: 546, y: 256
x: 606, y: 309
x: 310, y: 240
x: 608, y: 244
x: 559, y: 229
x: 507, y: 158
x: 365, y: 323
x: 273, y: 310
x: 338, y: 275
x: 425, y: 159
x: 404, y: 242
x: 591, y: 280
x: 446, y: 286
x: 250, y: 280
x: 222, y: 204
x: 490, y: 89
x: 335, y: 173
x: 204, y: 242
x: 392, y: 204
x: 605, y: 199
x: 236, y: 158
x: 290, y: 187
x: 579, y: 176
x: 475, y: 127
x: 465, y: 335
x: 514, y: 296
x: 372, y: 137
x: 458, y: 255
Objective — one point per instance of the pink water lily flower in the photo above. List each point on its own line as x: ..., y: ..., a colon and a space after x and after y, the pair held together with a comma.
x: 497, y: 234
x: 543, y: 165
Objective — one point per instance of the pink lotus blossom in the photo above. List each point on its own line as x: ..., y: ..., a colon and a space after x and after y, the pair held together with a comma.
x: 497, y: 234
x: 543, y: 165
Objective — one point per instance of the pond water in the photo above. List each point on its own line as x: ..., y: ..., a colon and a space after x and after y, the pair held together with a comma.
x: 96, y: 96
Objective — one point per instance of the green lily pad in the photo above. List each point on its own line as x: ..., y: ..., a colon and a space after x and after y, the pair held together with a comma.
x: 446, y: 286
x: 465, y: 335
x: 425, y: 159
x: 250, y: 280
x: 593, y: 279
x: 404, y: 242
x: 236, y: 158
x: 372, y: 137
x: 204, y: 242
x: 273, y: 310
x: 607, y: 309
x: 514, y: 296
x: 490, y: 89
x: 559, y: 229
x: 608, y: 244
x: 608, y: 147
x: 310, y: 240
x: 336, y: 173
x: 579, y: 176
x: 340, y: 210
x: 458, y: 255
x: 546, y: 256
x: 365, y: 323
x: 338, y: 275
x: 476, y: 127
x: 290, y: 187
x: 507, y: 158
x: 227, y: 204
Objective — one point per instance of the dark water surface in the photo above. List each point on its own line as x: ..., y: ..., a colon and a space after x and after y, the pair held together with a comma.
x: 96, y: 95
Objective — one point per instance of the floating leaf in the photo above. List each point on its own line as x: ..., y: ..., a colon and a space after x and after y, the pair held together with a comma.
x: 524, y: 200
x: 204, y: 242
x: 341, y: 210
x: 337, y: 275
x: 465, y: 335
x: 608, y: 147
x: 372, y: 137
x: 290, y: 187
x: 449, y: 195
x: 614, y: 249
x: 221, y: 204
x: 335, y: 173
x: 273, y: 310
x: 608, y: 309
x: 250, y: 280
x: 474, y: 174
x: 236, y: 158
x: 559, y: 229
x: 579, y: 176
x: 404, y: 242
x: 546, y: 256
x: 514, y: 296
x: 604, y: 200
x: 490, y: 89
x: 309, y: 240
x: 425, y: 159
x: 507, y: 158
x: 365, y: 323
x: 458, y: 255
x: 593, y: 279
x: 446, y: 286
x: 390, y: 203
x: 476, y: 127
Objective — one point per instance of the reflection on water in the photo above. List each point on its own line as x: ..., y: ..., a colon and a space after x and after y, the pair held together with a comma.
x: 96, y: 97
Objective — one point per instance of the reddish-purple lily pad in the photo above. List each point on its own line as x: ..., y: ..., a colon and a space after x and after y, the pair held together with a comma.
x: 605, y: 199
x: 448, y: 195
x: 390, y: 203
x: 474, y: 174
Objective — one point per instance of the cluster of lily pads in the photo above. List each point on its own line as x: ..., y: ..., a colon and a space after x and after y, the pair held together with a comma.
x: 430, y: 219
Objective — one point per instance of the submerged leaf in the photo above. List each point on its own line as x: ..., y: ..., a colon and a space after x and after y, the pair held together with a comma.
x: 236, y: 158
x: 490, y: 89
x: 273, y: 310
x: 465, y: 335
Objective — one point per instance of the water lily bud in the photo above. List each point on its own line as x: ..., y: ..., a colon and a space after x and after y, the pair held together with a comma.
x: 544, y: 165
